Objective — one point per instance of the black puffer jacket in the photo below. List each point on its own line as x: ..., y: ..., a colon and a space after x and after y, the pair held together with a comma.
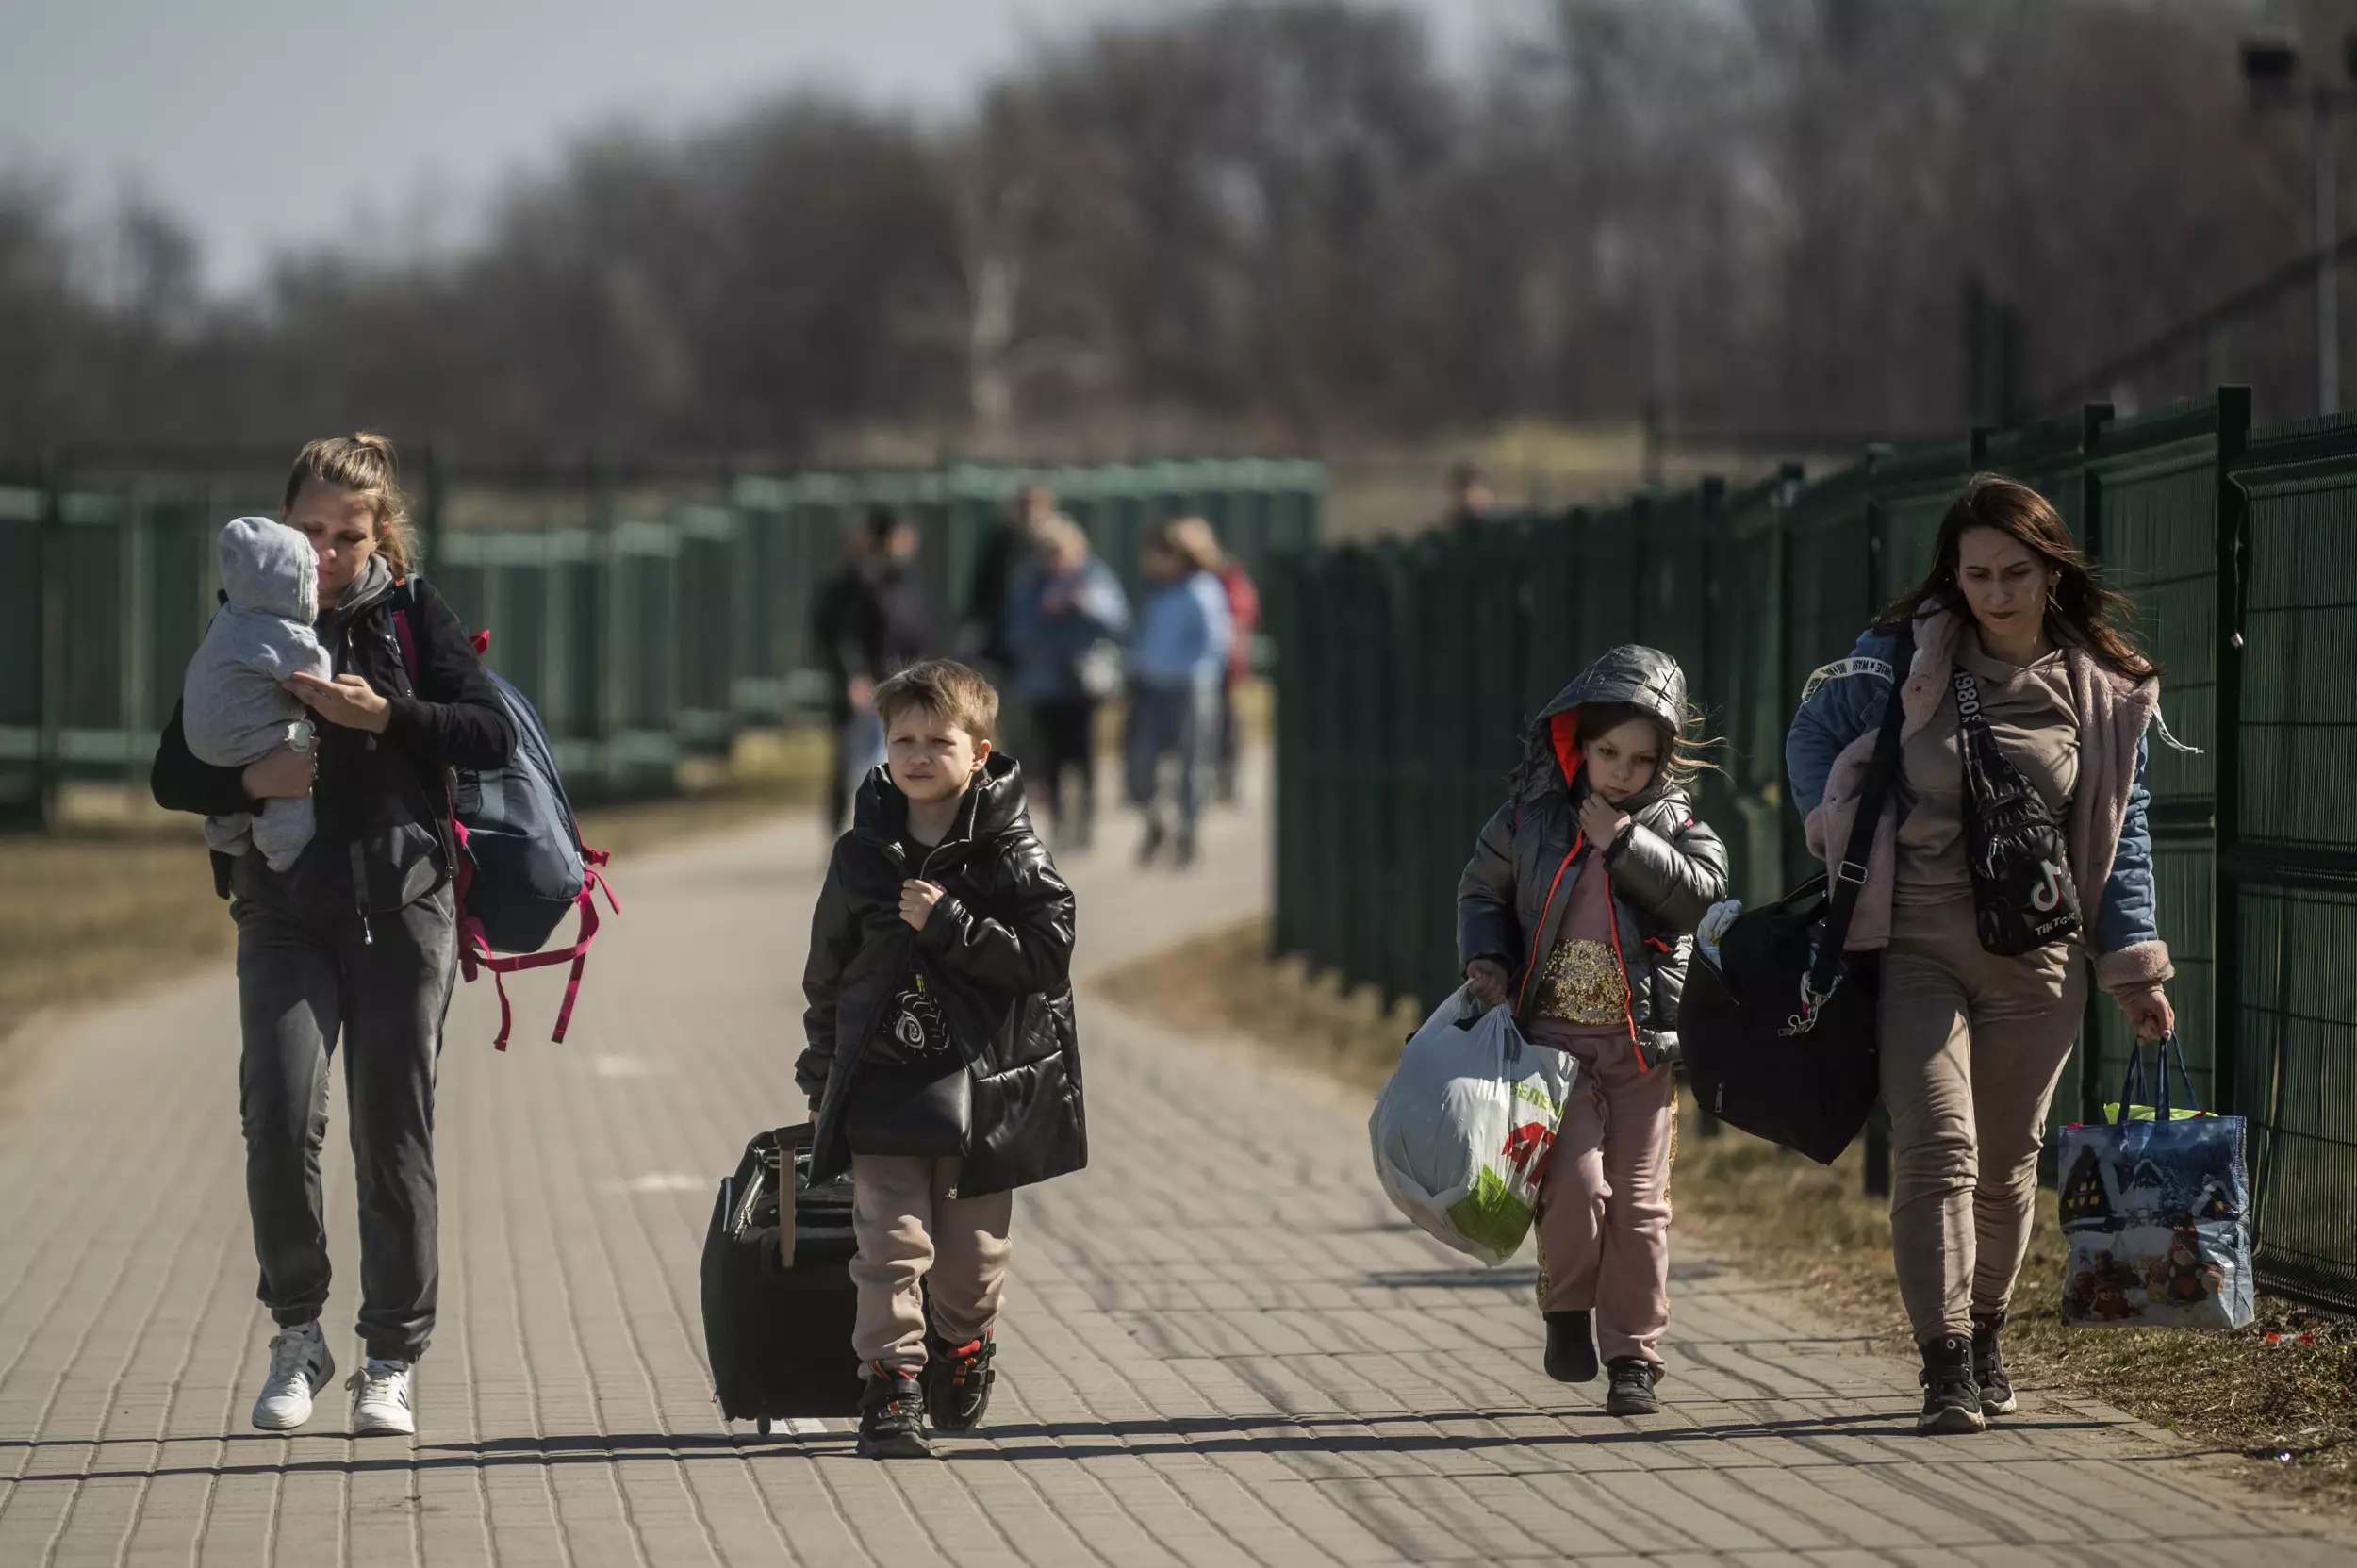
x: 383, y: 839
x: 1666, y: 867
x: 996, y: 951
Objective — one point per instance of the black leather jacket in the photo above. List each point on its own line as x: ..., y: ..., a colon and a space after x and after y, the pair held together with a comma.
x: 1666, y: 867
x: 996, y: 952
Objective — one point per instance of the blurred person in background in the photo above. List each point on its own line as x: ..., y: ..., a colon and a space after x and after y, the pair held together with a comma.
x: 1472, y: 506
x: 997, y: 567
x: 871, y: 621
x: 1244, y: 619
x: 1178, y: 664
x: 1065, y: 620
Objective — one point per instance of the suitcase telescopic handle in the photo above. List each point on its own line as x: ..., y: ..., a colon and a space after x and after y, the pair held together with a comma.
x: 790, y: 1141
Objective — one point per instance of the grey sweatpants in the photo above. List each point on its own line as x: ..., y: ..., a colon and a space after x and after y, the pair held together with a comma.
x: 306, y: 986
x: 1972, y: 1045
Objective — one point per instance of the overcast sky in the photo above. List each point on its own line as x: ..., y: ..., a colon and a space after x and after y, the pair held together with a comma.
x: 268, y: 123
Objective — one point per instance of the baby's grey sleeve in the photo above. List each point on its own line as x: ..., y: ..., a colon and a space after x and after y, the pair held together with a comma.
x: 289, y: 649
x: 311, y: 657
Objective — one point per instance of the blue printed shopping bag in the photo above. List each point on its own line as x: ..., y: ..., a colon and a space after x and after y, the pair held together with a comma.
x: 2155, y: 1209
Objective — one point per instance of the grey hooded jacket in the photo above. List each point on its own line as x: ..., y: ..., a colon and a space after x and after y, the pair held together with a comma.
x: 233, y: 708
x: 1665, y: 868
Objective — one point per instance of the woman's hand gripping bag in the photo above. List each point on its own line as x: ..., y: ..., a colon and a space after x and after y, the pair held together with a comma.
x: 1462, y: 1131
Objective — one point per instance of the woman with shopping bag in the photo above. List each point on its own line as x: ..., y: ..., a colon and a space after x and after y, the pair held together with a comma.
x: 1579, y: 909
x: 2016, y: 839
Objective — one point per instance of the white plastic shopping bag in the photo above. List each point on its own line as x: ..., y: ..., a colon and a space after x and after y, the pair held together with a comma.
x: 1462, y: 1131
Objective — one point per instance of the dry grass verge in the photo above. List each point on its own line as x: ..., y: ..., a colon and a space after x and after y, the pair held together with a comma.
x: 123, y: 898
x: 2281, y: 1397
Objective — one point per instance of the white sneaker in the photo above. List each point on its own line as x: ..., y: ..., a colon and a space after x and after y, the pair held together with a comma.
x: 299, y: 1366
x: 380, y: 1400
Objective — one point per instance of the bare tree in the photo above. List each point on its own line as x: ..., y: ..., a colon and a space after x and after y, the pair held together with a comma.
x: 1266, y: 222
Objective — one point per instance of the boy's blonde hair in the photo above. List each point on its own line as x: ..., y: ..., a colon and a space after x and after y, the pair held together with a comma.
x: 946, y: 687
x: 363, y: 464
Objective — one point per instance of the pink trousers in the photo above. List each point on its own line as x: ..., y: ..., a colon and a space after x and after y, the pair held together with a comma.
x: 1604, y: 1204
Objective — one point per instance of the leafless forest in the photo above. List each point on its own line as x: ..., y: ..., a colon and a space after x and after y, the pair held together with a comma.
x: 1261, y: 227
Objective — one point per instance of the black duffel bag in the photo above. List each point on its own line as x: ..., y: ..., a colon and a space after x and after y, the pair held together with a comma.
x: 778, y: 1299
x: 1779, y: 1036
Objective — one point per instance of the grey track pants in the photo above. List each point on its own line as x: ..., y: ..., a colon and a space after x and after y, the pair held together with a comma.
x: 306, y: 986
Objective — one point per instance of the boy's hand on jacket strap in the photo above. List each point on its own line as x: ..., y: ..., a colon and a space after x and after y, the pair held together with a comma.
x: 916, y: 902
x: 348, y: 700
x: 1601, y: 821
x: 1487, y: 979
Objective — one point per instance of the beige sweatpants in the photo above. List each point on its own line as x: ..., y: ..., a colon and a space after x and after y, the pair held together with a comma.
x: 1972, y: 1045
x: 915, y: 1240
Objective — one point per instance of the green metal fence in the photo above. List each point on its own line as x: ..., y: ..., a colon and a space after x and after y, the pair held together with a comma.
x: 645, y: 617
x: 1406, y: 670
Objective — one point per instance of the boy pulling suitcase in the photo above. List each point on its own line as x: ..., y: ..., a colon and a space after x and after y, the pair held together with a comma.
x: 943, y: 1065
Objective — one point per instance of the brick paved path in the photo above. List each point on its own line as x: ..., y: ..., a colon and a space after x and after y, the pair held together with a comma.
x: 1222, y: 1345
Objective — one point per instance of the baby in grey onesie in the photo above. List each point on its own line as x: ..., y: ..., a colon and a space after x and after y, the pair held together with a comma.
x: 233, y: 708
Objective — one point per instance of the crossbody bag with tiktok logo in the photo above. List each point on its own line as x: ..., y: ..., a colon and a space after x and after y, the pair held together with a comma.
x: 2022, y: 894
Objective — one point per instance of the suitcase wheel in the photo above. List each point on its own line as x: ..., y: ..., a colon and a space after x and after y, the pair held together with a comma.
x: 761, y: 1426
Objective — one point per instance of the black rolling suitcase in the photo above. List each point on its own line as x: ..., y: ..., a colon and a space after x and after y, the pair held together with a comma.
x: 777, y: 1318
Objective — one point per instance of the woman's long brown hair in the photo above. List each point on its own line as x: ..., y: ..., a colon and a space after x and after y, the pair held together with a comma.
x: 2081, y: 609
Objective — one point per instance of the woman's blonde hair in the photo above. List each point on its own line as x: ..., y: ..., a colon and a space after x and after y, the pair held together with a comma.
x: 365, y: 465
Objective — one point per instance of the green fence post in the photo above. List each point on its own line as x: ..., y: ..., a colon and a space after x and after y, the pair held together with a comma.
x: 2086, y: 1060
x: 430, y: 508
x: 50, y: 547
x: 1877, y: 1164
x: 2233, y: 537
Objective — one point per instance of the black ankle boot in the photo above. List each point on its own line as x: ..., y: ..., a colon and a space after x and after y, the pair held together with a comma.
x: 1952, y: 1401
x: 1989, y: 1366
x: 1571, y: 1349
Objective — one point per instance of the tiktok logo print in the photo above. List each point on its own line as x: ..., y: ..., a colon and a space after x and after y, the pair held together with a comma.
x: 2022, y: 894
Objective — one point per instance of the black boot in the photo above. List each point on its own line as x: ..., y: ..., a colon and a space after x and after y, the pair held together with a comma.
x: 1631, y: 1391
x: 1571, y: 1349
x: 957, y: 1383
x: 1952, y: 1401
x: 891, y: 1416
x: 1151, y: 844
x: 1989, y: 1366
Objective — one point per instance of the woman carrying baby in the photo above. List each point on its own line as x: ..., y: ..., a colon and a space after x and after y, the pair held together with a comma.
x: 355, y: 940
